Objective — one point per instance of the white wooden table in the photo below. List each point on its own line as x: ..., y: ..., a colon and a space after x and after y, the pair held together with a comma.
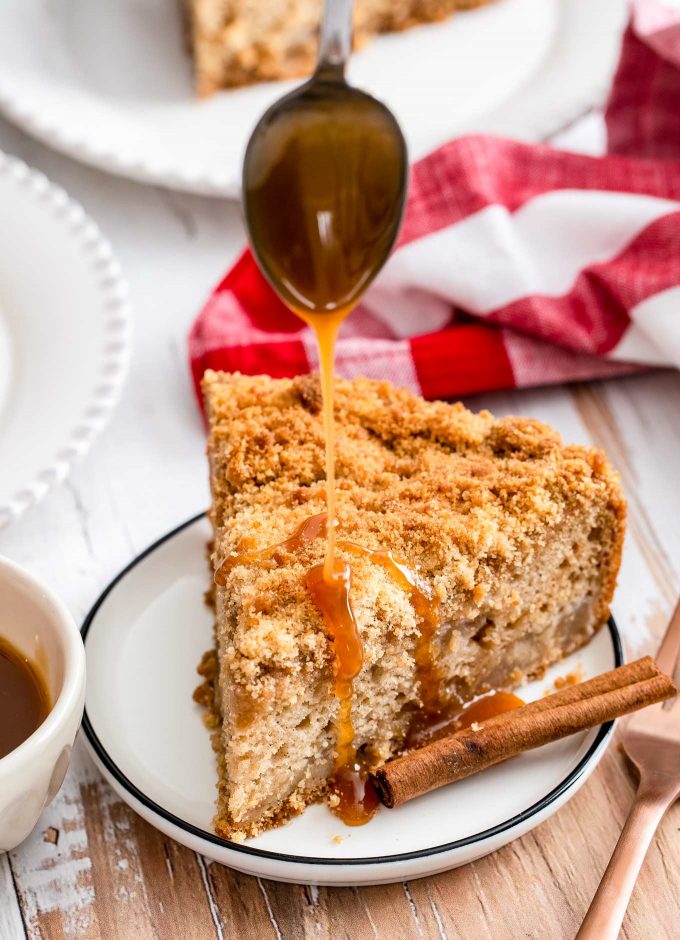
x: 94, y: 869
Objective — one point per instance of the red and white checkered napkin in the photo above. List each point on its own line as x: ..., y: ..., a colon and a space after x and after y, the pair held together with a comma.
x: 517, y: 264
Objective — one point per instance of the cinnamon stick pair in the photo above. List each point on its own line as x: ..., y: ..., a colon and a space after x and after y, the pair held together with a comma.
x: 575, y: 708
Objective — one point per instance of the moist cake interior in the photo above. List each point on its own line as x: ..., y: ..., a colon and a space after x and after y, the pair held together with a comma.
x: 518, y: 536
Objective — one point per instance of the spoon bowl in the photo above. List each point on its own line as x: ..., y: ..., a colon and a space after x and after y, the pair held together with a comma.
x: 324, y: 184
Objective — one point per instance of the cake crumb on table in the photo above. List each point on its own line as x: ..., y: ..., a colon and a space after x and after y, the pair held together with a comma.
x: 571, y: 678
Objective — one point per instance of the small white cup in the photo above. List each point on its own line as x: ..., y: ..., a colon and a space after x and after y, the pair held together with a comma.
x: 39, y: 625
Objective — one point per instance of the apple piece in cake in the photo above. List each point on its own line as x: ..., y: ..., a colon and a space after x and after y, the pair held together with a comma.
x: 236, y: 42
x: 517, y: 536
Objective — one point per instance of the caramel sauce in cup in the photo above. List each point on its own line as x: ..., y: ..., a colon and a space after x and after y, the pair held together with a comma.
x: 24, y: 699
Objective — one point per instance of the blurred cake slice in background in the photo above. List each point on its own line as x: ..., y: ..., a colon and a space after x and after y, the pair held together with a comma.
x: 237, y: 42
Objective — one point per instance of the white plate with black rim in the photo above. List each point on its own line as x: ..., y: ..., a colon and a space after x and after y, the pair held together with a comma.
x: 109, y: 82
x: 143, y: 639
x: 64, y: 334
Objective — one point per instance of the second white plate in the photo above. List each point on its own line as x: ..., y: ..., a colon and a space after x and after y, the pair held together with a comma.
x: 110, y: 82
x: 64, y: 334
x: 143, y: 640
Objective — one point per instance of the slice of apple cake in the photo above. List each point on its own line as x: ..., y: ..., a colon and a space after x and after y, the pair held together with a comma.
x: 515, y: 536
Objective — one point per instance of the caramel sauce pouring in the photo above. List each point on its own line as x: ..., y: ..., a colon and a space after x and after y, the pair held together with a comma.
x: 324, y: 186
x: 309, y: 529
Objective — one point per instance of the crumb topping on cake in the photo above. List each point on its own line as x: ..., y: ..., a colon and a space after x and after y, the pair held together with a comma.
x: 452, y: 493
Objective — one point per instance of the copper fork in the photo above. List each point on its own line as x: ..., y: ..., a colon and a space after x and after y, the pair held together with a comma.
x: 651, y: 740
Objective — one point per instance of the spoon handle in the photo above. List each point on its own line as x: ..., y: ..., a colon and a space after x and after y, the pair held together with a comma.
x: 335, y: 39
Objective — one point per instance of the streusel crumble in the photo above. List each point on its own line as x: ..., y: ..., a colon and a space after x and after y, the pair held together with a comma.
x: 516, y: 535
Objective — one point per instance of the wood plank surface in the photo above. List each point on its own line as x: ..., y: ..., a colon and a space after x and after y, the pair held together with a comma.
x: 142, y: 884
x: 92, y: 868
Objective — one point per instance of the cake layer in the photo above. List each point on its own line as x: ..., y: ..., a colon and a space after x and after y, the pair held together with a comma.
x: 515, y: 534
x: 236, y: 42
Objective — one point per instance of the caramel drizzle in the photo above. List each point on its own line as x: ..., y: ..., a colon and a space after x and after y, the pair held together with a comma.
x: 331, y: 595
x: 454, y: 717
x: 354, y: 798
x: 326, y: 326
x: 309, y: 529
x: 356, y: 801
x: 426, y: 608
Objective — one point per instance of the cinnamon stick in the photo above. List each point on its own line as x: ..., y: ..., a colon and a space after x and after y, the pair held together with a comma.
x: 575, y: 708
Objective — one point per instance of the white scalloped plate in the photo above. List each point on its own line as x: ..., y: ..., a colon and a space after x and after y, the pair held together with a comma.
x: 143, y: 639
x: 109, y: 82
x: 64, y: 334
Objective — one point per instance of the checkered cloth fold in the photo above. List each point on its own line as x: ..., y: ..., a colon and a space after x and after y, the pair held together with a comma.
x: 517, y: 264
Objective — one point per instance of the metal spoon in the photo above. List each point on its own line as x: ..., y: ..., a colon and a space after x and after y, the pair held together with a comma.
x: 324, y: 182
